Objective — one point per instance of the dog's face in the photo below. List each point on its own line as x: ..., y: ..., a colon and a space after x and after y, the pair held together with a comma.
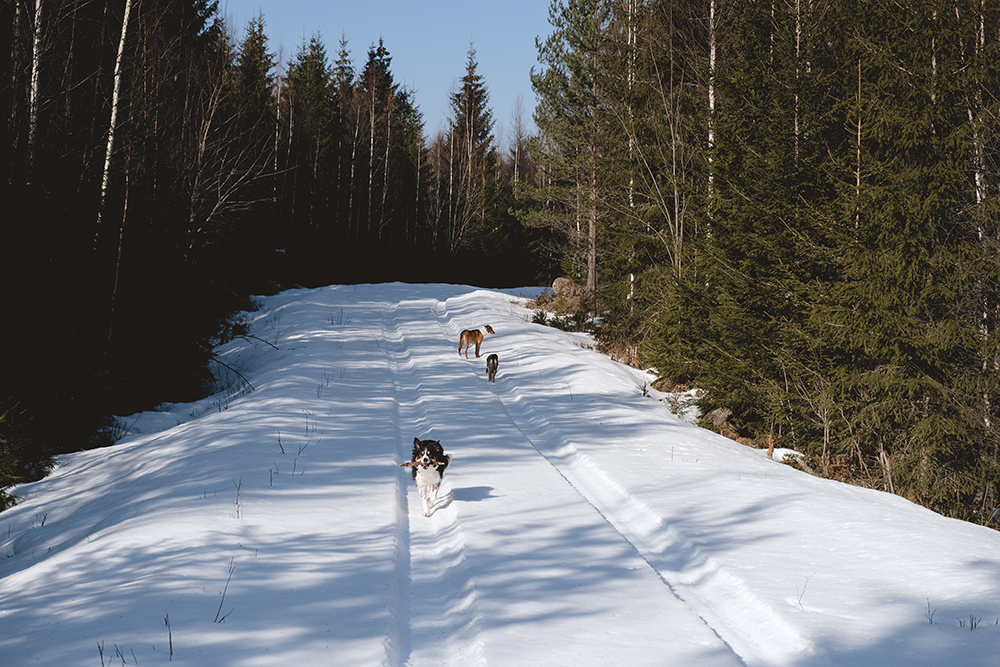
x: 489, y: 329
x: 427, y: 452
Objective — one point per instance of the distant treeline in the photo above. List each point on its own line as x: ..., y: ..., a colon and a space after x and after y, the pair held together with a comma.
x: 791, y: 206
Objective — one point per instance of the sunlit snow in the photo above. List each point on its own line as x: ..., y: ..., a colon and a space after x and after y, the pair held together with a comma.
x: 580, y: 523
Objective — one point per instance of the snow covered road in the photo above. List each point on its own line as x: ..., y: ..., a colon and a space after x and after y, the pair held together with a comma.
x: 581, y: 523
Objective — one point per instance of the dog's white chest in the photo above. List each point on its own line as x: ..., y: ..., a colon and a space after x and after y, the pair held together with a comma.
x: 428, y: 477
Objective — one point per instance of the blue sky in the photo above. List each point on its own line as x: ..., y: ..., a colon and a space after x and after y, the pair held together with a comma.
x: 428, y: 42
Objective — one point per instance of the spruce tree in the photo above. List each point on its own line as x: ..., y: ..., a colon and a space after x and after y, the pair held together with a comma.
x: 471, y: 178
x: 569, y: 143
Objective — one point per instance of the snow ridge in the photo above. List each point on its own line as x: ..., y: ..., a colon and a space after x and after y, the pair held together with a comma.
x: 757, y: 634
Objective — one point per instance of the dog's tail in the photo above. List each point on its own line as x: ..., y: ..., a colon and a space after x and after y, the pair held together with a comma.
x: 447, y: 462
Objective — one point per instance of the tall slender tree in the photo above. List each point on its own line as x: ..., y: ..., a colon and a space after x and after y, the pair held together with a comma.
x: 470, y: 144
x: 568, y: 119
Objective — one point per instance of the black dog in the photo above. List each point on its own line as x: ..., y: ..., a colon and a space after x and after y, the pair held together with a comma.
x: 492, y: 362
x: 429, y: 462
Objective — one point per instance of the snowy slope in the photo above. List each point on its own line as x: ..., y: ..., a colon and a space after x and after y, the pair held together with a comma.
x: 581, y: 523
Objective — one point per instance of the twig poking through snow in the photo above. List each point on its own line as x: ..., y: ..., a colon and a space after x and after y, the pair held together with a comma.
x: 232, y: 567
x: 170, y: 636
x: 801, y: 608
x: 239, y: 498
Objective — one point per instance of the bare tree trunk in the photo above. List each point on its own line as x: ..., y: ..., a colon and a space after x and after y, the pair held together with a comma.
x: 352, y: 186
x: 711, y: 107
x: 277, y: 139
x: 385, y: 172
x: 118, y: 266
x: 592, y: 232
x: 15, y: 74
x: 371, y: 163
x: 857, y: 173
x: 114, y: 118
x: 36, y: 58
x: 416, y: 203
x: 451, y: 190
x: 592, y: 207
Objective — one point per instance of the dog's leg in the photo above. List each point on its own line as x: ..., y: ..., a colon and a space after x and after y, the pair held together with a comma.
x: 478, y: 343
x: 427, y: 497
x: 432, y: 498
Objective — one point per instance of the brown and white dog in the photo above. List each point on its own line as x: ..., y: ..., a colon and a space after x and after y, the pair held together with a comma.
x: 470, y: 336
x: 428, y: 464
x: 492, y: 362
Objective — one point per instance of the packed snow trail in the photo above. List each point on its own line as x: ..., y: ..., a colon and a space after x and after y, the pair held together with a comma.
x: 446, y: 623
x: 441, y: 610
x: 580, y: 521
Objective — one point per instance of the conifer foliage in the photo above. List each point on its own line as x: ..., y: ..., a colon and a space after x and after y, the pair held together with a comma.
x: 797, y: 216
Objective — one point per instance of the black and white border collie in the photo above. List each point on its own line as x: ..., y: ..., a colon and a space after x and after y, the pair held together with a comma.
x: 428, y: 464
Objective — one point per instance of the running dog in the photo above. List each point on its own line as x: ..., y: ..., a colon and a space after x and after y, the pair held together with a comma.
x: 492, y: 362
x: 428, y: 464
x: 470, y: 336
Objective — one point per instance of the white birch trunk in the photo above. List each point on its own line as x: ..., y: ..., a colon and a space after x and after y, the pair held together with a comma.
x: 711, y: 106
x: 114, y: 117
x: 36, y: 58
x: 15, y: 71
x: 371, y: 163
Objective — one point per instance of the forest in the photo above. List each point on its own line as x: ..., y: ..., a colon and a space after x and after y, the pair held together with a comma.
x: 791, y: 205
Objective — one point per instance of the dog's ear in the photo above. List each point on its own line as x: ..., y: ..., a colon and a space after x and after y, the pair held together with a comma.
x: 416, y: 442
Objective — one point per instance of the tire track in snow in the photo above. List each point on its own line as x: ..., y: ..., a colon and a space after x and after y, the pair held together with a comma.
x: 438, y: 616
x: 398, y: 639
x: 748, y: 625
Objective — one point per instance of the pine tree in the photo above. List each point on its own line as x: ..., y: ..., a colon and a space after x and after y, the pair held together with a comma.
x: 569, y: 143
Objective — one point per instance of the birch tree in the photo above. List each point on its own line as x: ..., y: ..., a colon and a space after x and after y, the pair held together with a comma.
x: 112, y: 123
x: 36, y: 58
